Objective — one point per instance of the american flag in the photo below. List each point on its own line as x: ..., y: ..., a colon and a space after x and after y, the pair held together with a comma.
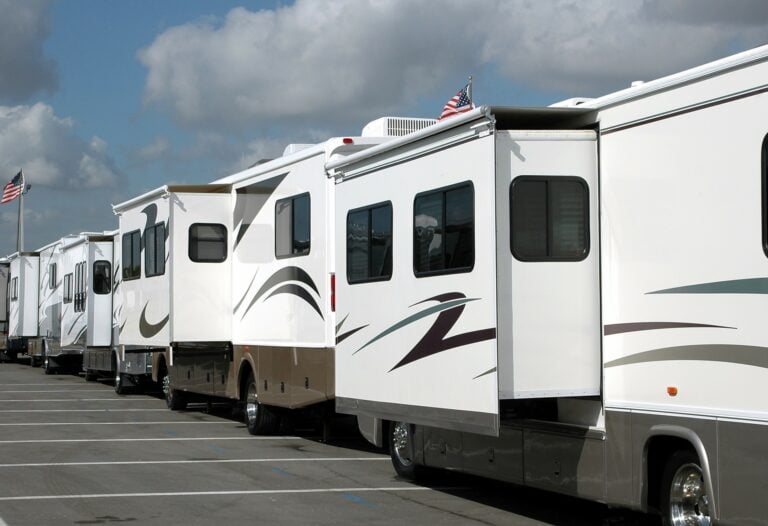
x: 459, y: 103
x: 13, y: 189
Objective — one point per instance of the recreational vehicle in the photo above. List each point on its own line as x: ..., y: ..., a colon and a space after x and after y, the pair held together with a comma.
x: 23, y: 301
x: 571, y: 298
x: 175, y: 280
x: 49, y: 307
x: 5, y: 270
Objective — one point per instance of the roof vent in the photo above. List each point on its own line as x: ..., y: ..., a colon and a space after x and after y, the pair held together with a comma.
x: 570, y: 103
x: 395, y: 126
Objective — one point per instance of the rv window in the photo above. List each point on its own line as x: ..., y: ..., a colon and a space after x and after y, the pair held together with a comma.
x: 292, y: 226
x: 132, y: 255
x: 207, y: 243
x: 102, y: 272
x: 154, y: 250
x: 52, y: 276
x: 80, y: 287
x: 369, y: 244
x: 444, y: 231
x: 764, y: 169
x: 549, y: 218
x: 14, y: 289
x: 68, y: 288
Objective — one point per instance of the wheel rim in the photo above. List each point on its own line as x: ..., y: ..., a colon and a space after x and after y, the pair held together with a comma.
x: 401, y: 443
x: 688, y: 500
x: 251, y: 403
x: 118, y: 379
x: 166, y: 386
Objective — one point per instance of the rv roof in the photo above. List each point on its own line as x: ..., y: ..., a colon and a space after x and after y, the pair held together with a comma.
x: 165, y: 189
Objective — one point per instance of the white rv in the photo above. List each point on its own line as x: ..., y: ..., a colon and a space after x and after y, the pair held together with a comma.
x: 86, y: 317
x: 175, y: 282
x: 570, y: 298
x: 23, y: 301
x: 49, y: 307
x: 5, y: 271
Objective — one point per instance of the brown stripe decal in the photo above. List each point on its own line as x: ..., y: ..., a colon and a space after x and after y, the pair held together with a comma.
x: 620, y: 328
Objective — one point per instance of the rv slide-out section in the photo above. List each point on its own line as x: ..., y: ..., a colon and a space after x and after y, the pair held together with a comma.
x: 23, y: 299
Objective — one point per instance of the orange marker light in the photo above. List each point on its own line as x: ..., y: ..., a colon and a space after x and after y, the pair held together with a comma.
x: 672, y: 391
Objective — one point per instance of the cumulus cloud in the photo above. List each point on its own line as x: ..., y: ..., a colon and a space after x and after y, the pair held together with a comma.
x: 157, y: 149
x: 343, y: 60
x: 46, y: 147
x: 24, y: 68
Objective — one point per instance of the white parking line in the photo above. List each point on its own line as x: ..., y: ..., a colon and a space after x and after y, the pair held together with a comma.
x: 78, y: 410
x: 206, y: 461
x: 53, y: 384
x: 109, y: 423
x: 58, y: 390
x: 4, y: 400
x: 214, y: 493
x: 164, y: 439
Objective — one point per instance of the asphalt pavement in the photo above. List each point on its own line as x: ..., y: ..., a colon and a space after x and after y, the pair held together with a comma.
x: 74, y: 452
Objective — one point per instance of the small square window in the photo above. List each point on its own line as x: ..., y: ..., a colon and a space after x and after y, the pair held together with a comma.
x: 207, y: 243
x: 292, y: 226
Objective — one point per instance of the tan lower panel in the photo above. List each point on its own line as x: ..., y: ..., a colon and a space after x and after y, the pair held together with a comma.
x: 290, y: 377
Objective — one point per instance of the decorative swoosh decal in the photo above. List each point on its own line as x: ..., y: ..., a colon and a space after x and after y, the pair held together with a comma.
x: 620, y: 328
x: 74, y: 322
x: 292, y: 288
x: 341, y: 337
x: 281, y: 276
x: 452, y: 305
x: 489, y: 371
x: 734, y: 286
x: 148, y: 330
x: 246, y: 291
x: 738, y: 354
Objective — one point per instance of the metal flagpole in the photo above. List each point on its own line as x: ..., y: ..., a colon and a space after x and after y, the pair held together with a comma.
x: 20, y: 233
x: 469, y: 92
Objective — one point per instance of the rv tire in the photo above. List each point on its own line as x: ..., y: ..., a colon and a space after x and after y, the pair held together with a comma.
x: 260, y: 419
x: 174, y: 399
x: 48, y: 366
x: 120, y: 387
x: 90, y: 376
x: 684, y: 499
x: 401, y: 450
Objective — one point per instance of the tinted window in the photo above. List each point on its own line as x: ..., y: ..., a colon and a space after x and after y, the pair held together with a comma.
x: 154, y: 250
x: 132, y: 255
x: 443, y: 231
x: 14, y: 289
x: 207, y: 243
x: 52, y: 276
x: 764, y: 169
x: 102, y: 273
x: 292, y: 226
x: 68, y: 288
x: 550, y: 218
x: 369, y: 244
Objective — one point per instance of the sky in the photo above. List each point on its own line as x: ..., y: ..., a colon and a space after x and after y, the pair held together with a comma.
x: 103, y: 100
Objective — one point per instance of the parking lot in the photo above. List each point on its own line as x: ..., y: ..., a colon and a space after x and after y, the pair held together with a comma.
x: 74, y: 452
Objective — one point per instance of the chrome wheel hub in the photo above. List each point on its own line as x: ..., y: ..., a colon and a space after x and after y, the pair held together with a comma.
x: 251, y: 403
x: 166, y: 386
x: 689, y: 504
x: 401, y: 443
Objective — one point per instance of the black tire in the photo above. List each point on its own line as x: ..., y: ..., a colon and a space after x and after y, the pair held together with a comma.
x: 401, y: 450
x: 48, y: 367
x: 120, y: 386
x: 684, y: 499
x: 260, y: 419
x: 174, y: 399
x: 90, y: 376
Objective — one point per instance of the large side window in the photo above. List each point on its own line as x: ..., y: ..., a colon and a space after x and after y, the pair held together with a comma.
x: 207, y: 243
x: 444, y: 231
x: 80, y: 289
x: 102, y: 274
x: 68, y: 288
x: 369, y: 243
x: 154, y: 250
x: 550, y: 218
x: 132, y: 255
x: 764, y: 169
x: 292, y: 226
x: 52, y: 276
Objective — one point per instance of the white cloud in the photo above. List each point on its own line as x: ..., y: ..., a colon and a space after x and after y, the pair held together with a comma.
x: 46, y: 147
x: 349, y: 60
x: 157, y: 149
x: 24, y: 69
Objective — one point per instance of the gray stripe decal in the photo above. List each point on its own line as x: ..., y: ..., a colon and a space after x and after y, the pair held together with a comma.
x: 74, y: 322
x: 246, y: 291
x: 415, y: 317
x: 739, y: 354
x: 296, y: 290
x: 281, y: 276
x: 620, y: 328
x: 489, y: 371
x: 338, y: 325
x: 734, y: 286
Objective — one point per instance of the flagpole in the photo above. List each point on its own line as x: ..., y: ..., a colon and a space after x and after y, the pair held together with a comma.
x: 469, y: 91
x: 20, y: 233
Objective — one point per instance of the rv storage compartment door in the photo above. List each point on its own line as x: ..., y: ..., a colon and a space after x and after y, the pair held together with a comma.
x: 548, y: 282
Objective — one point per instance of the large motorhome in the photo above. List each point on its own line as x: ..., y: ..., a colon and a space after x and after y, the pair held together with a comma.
x: 49, y: 307
x: 23, y: 301
x: 571, y: 298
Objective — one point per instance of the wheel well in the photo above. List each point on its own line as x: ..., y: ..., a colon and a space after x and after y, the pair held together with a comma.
x: 658, y: 451
x: 245, y: 371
